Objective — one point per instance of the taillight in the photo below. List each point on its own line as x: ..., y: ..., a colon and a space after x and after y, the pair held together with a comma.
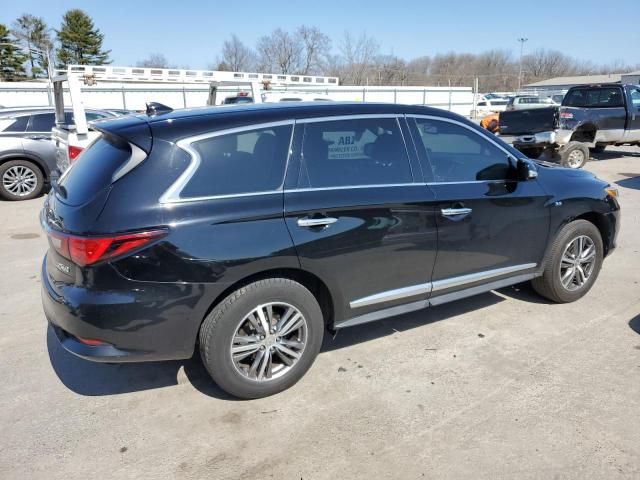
x: 89, y: 250
x: 74, y: 152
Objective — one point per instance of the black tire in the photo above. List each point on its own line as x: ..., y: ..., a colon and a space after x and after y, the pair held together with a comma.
x: 219, y: 328
x: 598, y: 148
x: 574, y: 155
x: 549, y: 285
x: 34, y: 172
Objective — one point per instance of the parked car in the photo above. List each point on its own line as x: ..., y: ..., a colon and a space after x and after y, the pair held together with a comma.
x: 247, y: 231
x: 528, y: 103
x: 591, y: 116
x: 488, y: 106
x: 27, y: 154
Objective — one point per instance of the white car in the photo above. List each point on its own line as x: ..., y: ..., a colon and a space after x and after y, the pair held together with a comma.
x: 486, y: 106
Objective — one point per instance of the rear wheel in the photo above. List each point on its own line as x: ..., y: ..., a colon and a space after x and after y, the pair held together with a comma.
x: 574, y: 155
x: 20, y: 180
x: 262, y: 338
x: 573, y: 264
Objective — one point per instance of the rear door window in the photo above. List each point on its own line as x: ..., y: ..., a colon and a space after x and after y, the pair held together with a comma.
x: 41, y: 122
x: 458, y: 154
x: 594, y: 98
x: 356, y: 152
x: 14, y: 124
x: 246, y: 162
x: 93, y: 170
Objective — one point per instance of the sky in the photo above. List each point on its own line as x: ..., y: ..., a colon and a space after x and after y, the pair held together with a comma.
x: 190, y: 33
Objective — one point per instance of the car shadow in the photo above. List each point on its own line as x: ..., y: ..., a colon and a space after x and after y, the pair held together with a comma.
x: 370, y: 331
x: 101, y: 379
x: 632, y: 181
x: 634, y: 324
x: 613, y: 154
x: 524, y: 292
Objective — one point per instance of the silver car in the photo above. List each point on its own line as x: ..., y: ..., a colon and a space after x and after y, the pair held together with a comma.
x: 27, y: 154
x: 528, y: 102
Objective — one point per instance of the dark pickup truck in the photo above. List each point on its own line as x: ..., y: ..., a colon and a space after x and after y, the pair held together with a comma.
x: 590, y: 117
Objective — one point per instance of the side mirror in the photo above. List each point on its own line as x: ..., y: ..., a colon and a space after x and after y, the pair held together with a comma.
x: 526, y: 170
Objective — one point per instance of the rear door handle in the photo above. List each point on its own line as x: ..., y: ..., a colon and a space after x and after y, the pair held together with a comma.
x: 316, y: 222
x: 455, y: 212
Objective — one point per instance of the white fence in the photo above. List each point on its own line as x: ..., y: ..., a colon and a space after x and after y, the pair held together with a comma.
x: 133, y: 96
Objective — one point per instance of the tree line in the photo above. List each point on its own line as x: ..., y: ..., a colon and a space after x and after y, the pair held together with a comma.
x: 27, y: 45
x: 306, y: 50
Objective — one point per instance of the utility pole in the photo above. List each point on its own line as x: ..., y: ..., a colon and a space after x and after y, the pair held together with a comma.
x: 521, y: 40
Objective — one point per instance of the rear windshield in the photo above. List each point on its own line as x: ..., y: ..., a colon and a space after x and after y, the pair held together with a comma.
x: 594, y: 97
x: 93, y: 170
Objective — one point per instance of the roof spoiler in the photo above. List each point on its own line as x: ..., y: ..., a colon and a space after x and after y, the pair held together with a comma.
x: 155, y: 108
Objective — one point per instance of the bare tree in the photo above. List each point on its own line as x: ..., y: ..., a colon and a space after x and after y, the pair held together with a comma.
x: 358, y: 55
x: 236, y: 56
x: 154, y: 60
x: 280, y: 52
x: 316, y: 48
x: 35, y: 36
x: 543, y: 63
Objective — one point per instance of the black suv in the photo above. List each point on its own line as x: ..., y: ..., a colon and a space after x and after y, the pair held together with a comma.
x: 250, y: 230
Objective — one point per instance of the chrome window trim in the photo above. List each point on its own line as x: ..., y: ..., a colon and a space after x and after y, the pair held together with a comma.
x: 337, y: 118
x: 430, y: 287
x: 471, y: 129
x: 172, y: 194
x: 351, y: 187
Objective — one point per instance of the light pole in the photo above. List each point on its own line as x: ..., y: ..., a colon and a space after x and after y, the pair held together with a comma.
x: 521, y: 40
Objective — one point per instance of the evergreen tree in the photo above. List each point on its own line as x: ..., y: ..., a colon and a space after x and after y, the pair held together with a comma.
x: 33, y: 32
x: 80, y: 41
x: 11, y: 58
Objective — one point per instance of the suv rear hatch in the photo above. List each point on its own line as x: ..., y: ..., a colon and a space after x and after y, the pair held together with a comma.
x: 523, y: 122
x: 77, y: 199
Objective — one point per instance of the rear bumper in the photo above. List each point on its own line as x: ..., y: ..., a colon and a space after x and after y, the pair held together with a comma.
x: 140, y: 322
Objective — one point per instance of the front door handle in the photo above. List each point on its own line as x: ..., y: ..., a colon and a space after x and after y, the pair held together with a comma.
x: 455, y: 212
x: 316, y: 222
x: 38, y: 137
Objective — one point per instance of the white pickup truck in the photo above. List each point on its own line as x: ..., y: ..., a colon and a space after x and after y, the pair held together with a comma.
x: 70, y: 139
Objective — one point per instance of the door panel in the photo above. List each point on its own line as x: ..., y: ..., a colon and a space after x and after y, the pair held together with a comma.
x: 383, y: 239
x: 506, y: 227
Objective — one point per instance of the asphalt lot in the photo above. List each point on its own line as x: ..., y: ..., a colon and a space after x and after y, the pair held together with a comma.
x: 500, y: 386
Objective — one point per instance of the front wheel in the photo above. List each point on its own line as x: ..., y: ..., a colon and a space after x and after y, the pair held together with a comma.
x: 573, y: 263
x: 574, y: 155
x: 20, y: 180
x: 262, y: 338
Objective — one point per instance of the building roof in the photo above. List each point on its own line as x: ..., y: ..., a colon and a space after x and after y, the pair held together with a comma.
x: 637, y: 72
x: 579, y: 80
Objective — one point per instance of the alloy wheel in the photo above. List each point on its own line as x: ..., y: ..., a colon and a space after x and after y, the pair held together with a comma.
x: 269, y: 341
x: 577, y: 263
x: 20, y: 180
x: 575, y: 158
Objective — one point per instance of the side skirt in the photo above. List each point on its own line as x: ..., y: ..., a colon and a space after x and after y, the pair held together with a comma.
x: 436, y: 300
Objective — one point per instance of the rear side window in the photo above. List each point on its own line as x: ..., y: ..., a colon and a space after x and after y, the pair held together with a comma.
x: 14, y: 124
x: 93, y: 170
x: 245, y: 162
x: 594, y: 97
x: 42, y: 122
x: 352, y: 153
x: 458, y: 154
x: 635, y: 97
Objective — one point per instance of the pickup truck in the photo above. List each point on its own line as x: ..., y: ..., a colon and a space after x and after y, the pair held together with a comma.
x: 590, y: 117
